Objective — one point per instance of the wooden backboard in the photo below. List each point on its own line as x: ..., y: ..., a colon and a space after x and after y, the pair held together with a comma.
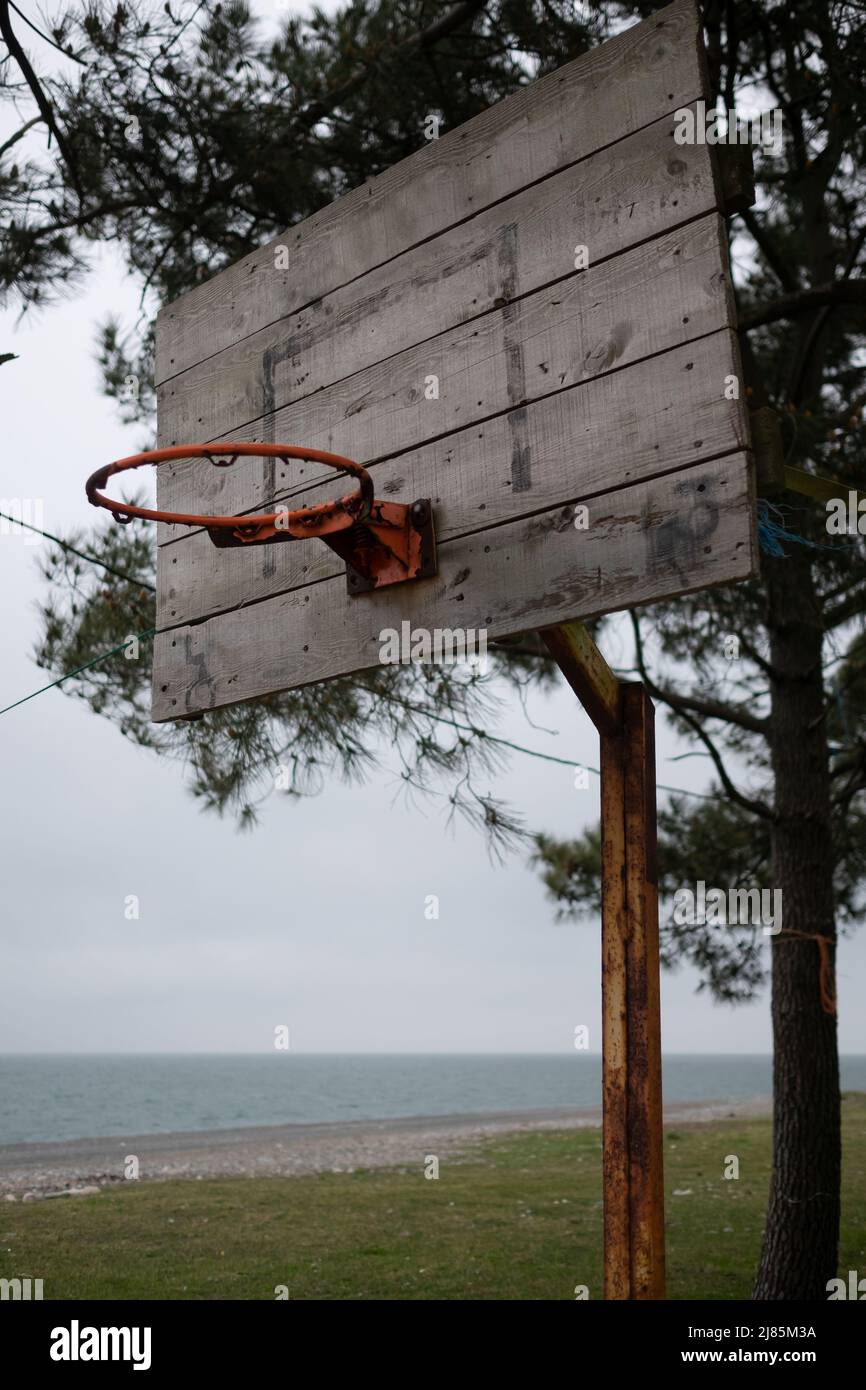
x: 441, y: 326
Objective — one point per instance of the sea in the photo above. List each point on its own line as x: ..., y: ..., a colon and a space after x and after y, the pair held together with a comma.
x: 50, y: 1097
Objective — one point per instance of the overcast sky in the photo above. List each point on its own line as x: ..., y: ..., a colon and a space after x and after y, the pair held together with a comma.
x: 316, y: 919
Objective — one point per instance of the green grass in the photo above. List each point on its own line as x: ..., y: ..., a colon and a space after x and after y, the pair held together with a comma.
x: 516, y: 1217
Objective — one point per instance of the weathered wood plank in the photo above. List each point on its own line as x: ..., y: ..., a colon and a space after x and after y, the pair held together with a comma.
x: 659, y: 294
x: 621, y: 197
x: 737, y: 177
x: 769, y: 450
x: 661, y: 414
x: 689, y: 530
x: 607, y: 94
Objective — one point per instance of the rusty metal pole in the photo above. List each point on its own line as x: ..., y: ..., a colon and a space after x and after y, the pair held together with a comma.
x: 631, y: 1023
x: 646, y: 1191
x: 614, y: 1021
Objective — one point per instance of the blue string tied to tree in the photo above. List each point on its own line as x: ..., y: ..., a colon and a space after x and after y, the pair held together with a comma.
x: 772, y: 531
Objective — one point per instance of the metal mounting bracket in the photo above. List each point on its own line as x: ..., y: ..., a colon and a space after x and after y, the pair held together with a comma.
x: 396, y: 542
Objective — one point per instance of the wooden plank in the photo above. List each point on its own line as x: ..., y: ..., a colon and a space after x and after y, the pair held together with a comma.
x: 686, y: 531
x: 573, y: 649
x: 737, y: 177
x: 616, y: 89
x: 664, y: 292
x: 616, y: 200
x: 820, y: 488
x: 659, y: 415
x: 769, y: 450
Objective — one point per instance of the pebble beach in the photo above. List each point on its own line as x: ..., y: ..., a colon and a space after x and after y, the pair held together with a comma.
x: 41, y: 1171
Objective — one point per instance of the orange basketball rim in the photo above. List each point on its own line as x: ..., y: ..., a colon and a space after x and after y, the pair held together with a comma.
x: 382, y: 543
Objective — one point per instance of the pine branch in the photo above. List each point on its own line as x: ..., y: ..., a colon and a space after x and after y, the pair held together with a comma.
x: 710, y: 709
x: 39, y: 96
x: 791, y: 306
x: 317, y: 110
x: 786, y: 279
x: 19, y: 134
x: 757, y: 807
x: 852, y: 607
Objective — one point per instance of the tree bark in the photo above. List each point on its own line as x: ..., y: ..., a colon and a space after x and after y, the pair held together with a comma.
x: 800, y: 1245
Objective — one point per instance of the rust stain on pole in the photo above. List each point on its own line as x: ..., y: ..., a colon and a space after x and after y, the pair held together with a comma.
x: 646, y: 1206
x: 615, y: 1059
x: 631, y: 1033
x: 572, y: 647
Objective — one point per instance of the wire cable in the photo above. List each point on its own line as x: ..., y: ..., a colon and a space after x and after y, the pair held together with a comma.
x: 92, y: 559
x: 148, y: 632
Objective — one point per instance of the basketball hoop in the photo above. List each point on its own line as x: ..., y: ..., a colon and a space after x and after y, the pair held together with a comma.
x: 382, y: 543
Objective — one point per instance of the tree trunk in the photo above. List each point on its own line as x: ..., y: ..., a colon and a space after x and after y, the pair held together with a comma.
x: 800, y: 1243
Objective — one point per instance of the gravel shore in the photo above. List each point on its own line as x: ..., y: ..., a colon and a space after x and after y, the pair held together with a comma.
x: 29, y: 1172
